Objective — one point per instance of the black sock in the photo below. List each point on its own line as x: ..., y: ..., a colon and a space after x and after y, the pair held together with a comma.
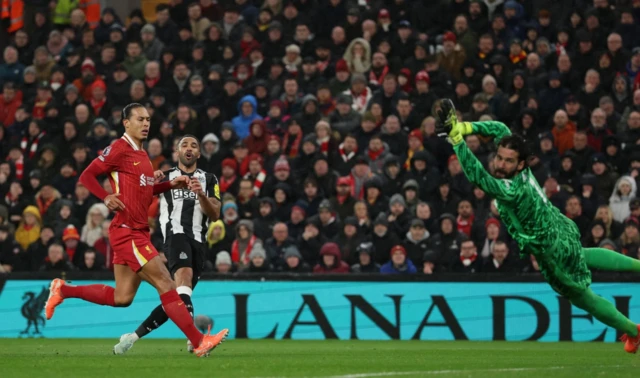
x: 157, y: 318
x: 186, y: 298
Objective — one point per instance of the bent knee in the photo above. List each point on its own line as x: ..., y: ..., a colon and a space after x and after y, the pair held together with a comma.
x: 123, y: 300
x: 165, y: 285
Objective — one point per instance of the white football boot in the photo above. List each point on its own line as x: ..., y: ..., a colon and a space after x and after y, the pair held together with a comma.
x: 126, y: 342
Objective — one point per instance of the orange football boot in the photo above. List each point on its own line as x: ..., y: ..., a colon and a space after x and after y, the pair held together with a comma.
x: 210, y: 342
x: 55, y: 297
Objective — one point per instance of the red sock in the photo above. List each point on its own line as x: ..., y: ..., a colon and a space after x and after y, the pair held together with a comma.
x: 176, y: 311
x: 98, y: 294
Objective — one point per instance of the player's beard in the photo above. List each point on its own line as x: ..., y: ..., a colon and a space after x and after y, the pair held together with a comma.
x: 186, y: 162
x: 501, y: 174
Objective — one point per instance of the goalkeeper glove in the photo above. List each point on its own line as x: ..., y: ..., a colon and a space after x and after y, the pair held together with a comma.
x: 448, y: 125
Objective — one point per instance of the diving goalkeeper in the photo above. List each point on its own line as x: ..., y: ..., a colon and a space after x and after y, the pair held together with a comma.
x: 538, y: 226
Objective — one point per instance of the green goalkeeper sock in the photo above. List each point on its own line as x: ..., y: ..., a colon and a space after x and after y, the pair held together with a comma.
x: 604, y: 311
x: 601, y: 258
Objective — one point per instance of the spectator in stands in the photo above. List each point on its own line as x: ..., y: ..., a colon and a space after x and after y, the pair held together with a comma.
x: 331, y: 260
x: 258, y: 260
x: 223, y: 263
x: 468, y: 260
x: 243, y: 244
x: 399, y: 263
x: 92, y: 229
x: 56, y: 260
x: 29, y: 229
x: 294, y: 262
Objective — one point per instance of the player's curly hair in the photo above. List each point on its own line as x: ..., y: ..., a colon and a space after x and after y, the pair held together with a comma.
x: 517, y: 143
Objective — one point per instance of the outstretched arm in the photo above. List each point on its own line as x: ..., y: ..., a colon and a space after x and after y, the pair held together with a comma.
x: 495, y: 129
x: 455, y: 131
x: 475, y: 172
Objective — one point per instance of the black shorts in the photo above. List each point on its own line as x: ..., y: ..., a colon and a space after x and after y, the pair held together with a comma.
x: 184, y: 252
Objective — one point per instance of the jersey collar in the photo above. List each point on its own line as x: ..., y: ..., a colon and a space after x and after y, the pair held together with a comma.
x: 131, y: 142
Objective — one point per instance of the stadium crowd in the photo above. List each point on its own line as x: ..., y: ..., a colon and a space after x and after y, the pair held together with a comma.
x: 316, y: 118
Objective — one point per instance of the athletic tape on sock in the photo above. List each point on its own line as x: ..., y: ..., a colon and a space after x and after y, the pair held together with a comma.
x: 184, y: 290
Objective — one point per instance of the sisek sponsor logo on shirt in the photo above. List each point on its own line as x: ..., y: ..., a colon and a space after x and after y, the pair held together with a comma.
x: 183, y: 194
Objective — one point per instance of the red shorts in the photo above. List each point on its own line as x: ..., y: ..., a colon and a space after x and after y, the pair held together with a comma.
x: 131, y: 247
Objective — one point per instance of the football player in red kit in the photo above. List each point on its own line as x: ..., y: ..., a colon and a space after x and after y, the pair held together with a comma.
x: 135, y: 259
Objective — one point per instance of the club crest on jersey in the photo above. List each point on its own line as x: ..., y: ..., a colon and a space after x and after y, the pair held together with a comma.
x: 146, y: 180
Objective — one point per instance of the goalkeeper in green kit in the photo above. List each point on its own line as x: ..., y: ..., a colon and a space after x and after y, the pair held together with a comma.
x: 538, y: 226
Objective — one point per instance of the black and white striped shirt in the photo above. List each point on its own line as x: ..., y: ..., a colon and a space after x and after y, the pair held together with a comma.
x: 180, y: 211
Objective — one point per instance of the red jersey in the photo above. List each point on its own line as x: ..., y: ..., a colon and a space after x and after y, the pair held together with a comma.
x: 131, y: 174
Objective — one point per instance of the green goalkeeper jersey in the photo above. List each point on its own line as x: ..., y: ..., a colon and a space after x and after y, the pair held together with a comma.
x: 530, y: 217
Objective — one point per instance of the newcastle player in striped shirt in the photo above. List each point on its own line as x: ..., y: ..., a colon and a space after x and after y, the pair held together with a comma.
x: 184, y: 219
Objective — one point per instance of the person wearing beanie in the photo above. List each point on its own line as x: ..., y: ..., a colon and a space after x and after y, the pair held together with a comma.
x: 266, y: 218
x: 329, y: 223
x: 416, y: 242
x: 424, y: 172
x: 359, y: 92
x: 452, y: 57
x: 399, y: 217
x: 229, y: 180
x: 311, y: 240
x: 257, y: 174
x: 296, y: 221
x: 399, y: 263
x: 348, y: 239
x: 223, y: 263
x: 448, y: 240
x: 343, y: 202
x: 365, y: 253
x: 258, y: 260
x: 608, y: 244
x: 376, y: 201
x: 74, y: 248
x: 331, y: 260
x: 293, y: 262
x: 100, y: 136
x: 230, y: 217
x: 383, y: 238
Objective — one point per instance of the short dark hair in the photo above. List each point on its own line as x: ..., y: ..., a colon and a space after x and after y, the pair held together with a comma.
x: 189, y: 136
x: 517, y: 143
x: 162, y: 7
x: 126, y: 112
x: 135, y: 42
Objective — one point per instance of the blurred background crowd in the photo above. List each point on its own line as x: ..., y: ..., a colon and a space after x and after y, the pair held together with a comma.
x: 316, y: 117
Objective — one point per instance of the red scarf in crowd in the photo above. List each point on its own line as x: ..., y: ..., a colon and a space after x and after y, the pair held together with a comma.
x: 235, y: 251
x: 258, y: 181
x: 43, y: 205
x: 226, y: 183
x: 560, y: 48
x: 346, y: 157
x: 97, y: 105
x: 464, y: 225
x: 295, y: 144
x: 324, y: 145
x: 373, y: 155
x: 150, y: 83
x: 378, y: 79
x: 469, y: 259
x: 34, y: 145
x: 360, y: 100
x: 515, y: 59
x: 19, y: 165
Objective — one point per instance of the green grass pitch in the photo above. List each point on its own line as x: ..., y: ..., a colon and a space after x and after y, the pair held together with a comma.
x: 53, y: 358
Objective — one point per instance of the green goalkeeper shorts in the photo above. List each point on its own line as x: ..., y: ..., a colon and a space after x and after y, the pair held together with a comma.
x: 563, y: 265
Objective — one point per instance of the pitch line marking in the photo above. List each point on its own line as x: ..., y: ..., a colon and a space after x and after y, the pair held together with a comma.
x: 457, y: 371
